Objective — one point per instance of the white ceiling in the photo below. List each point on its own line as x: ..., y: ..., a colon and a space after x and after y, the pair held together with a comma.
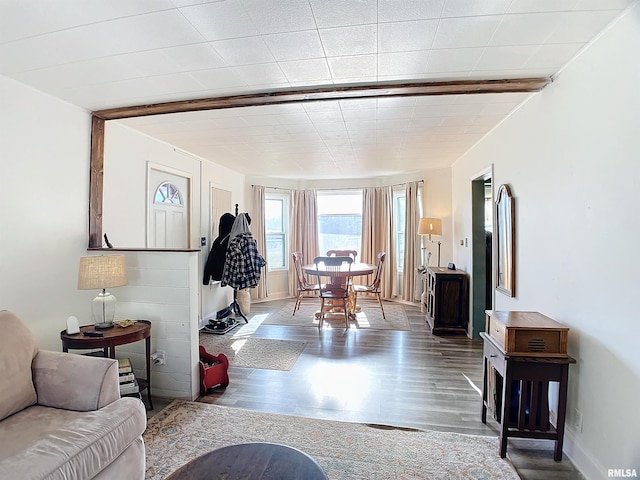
x: 101, y: 54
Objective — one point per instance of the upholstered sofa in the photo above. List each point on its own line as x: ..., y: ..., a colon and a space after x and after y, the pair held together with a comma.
x: 61, y: 415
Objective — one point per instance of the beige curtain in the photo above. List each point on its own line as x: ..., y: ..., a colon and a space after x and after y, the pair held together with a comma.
x: 377, y: 233
x: 303, y: 228
x: 259, y: 233
x: 411, y: 246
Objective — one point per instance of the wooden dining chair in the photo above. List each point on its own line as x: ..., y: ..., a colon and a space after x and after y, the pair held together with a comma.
x: 304, y: 287
x: 343, y: 253
x: 334, y: 281
x: 374, y: 287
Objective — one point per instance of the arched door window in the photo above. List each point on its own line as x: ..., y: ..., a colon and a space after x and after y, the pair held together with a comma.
x: 168, y: 194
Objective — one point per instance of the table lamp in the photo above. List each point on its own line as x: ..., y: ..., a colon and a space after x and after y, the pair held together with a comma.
x: 431, y: 226
x: 102, y: 272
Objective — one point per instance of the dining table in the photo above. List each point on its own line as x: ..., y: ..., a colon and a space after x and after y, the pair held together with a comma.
x: 339, y: 276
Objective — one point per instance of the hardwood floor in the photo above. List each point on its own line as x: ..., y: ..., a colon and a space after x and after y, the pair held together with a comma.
x: 411, y: 379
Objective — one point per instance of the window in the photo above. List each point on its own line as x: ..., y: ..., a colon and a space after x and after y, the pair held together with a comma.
x: 168, y: 193
x: 276, y: 209
x: 339, y: 220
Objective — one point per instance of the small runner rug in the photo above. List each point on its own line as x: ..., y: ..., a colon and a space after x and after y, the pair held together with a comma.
x: 370, y: 316
x: 346, y: 451
x: 250, y: 352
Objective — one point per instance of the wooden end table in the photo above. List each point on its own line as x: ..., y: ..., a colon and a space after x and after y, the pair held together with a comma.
x: 252, y: 461
x: 112, y: 337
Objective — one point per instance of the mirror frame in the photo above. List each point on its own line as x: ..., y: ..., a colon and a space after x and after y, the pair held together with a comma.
x: 505, y: 241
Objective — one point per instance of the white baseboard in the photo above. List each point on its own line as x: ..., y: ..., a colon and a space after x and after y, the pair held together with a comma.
x: 585, y: 463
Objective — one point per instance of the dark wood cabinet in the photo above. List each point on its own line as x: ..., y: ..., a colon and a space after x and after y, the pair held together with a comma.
x: 447, y: 300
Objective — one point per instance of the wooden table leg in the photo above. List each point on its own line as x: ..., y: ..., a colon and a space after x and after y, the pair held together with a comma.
x: 562, y: 411
x: 506, y: 407
x: 147, y: 343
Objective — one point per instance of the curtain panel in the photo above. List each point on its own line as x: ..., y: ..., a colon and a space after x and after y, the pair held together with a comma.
x: 377, y: 233
x: 303, y: 230
x: 411, y: 250
x: 258, y: 230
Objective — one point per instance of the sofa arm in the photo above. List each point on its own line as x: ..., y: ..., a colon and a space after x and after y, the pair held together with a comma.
x: 75, y: 382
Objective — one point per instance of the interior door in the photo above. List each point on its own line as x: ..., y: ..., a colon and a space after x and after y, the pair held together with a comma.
x: 168, y: 209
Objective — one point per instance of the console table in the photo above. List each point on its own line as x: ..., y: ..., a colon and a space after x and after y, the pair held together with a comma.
x: 140, y: 330
x: 523, y: 379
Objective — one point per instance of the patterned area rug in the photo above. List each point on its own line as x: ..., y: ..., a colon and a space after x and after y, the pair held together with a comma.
x: 346, y: 451
x: 249, y: 352
x: 370, y: 316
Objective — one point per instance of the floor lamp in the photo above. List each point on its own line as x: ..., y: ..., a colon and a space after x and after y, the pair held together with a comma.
x: 431, y: 226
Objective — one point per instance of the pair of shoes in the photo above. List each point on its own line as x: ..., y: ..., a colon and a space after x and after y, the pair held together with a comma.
x: 221, y: 324
x: 225, y: 312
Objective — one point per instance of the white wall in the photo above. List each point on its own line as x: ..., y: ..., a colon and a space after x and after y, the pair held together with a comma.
x: 571, y: 155
x: 163, y: 288
x: 44, y: 180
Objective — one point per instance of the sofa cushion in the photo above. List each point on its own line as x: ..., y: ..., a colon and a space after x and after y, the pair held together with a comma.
x: 46, y: 443
x: 17, y: 350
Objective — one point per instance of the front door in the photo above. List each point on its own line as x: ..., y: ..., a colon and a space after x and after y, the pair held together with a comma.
x: 168, y: 209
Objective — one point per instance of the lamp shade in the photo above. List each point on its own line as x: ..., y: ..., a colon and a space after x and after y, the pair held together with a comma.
x: 430, y: 226
x: 103, y: 271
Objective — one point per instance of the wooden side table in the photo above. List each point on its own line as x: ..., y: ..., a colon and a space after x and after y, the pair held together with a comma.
x: 530, y: 417
x: 140, y: 330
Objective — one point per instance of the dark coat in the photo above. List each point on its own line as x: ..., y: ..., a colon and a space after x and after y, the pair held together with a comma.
x: 218, y: 254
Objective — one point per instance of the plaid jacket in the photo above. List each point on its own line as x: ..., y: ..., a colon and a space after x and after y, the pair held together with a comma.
x: 243, y: 263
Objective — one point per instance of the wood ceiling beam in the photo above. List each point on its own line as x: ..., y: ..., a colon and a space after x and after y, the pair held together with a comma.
x: 335, y: 92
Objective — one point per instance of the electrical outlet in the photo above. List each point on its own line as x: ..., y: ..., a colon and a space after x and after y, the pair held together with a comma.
x: 158, y: 358
x: 578, y: 422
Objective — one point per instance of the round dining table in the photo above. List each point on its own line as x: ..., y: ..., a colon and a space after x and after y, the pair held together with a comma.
x: 338, y: 276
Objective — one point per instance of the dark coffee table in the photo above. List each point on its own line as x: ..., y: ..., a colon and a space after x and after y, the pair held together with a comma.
x: 252, y: 461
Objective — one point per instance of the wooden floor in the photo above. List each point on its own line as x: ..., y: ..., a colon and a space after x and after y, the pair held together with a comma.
x: 412, y: 379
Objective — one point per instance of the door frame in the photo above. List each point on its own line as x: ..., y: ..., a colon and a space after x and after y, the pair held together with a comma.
x: 478, y: 252
x: 188, y: 201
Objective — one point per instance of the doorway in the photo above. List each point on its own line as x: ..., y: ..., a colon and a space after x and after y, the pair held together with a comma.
x: 168, y: 208
x: 482, y: 248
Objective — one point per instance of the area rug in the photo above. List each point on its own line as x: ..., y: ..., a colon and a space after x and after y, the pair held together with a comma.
x: 370, y: 316
x: 250, y: 352
x: 346, y: 451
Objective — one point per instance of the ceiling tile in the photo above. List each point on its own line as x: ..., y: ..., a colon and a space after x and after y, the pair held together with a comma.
x: 525, y: 29
x: 464, y: 8
x: 399, y: 10
x: 262, y: 74
x: 580, y: 26
x: 243, y: 51
x: 406, y: 36
x: 22, y: 19
x: 306, y: 70
x: 353, y: 67
x: 295, y: 45
x: 356, y: 40
x: 277, y: 16
x: 220, y: 20
x: 453, y: 60
x: 338, y: 13
x: 533, y: 6
x: 402, y: 63
x: 505, y: 58
x: 552, y: 57
x: 465, y: 32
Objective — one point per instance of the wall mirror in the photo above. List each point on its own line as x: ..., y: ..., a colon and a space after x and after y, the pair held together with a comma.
x: 505, y: 242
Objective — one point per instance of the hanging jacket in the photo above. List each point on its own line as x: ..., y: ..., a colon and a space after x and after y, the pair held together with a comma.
x: 243, y: 264
x: 218, y: 254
